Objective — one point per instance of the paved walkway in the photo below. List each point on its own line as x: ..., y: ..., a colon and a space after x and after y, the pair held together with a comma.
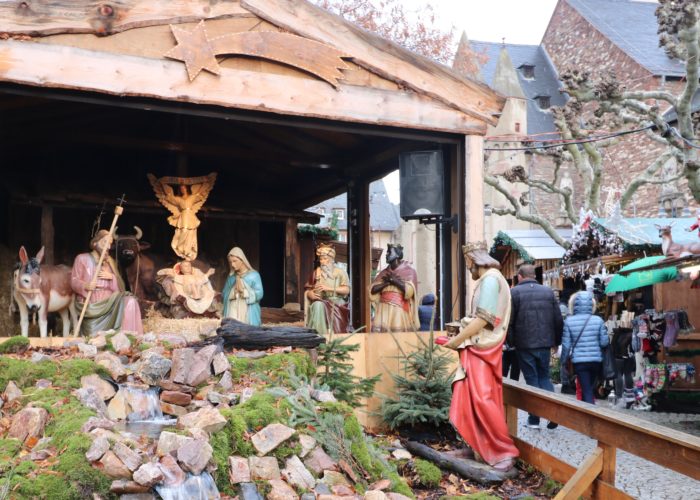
x: 637, y: 477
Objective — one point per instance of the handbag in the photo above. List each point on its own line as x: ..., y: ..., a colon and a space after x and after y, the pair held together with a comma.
x: 569, y: 360
x: 607, y: 367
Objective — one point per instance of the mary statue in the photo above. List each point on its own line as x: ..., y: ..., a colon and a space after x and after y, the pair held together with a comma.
x: 243, y: 290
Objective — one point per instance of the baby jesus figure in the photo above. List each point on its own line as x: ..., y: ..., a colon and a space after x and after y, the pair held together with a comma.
x: 188, y: 286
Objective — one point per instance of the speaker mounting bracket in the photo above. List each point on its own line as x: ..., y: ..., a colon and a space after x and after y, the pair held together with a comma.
x: 441, y: 219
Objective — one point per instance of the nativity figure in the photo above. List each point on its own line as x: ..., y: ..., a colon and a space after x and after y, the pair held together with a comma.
x: 193, y: 192
x: 188, y: 291
x: 325, y: 299
x: 110, y: 307
x: 393, y: 292
x: 243, y: 290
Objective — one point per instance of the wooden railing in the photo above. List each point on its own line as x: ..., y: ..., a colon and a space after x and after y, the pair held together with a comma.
x: 595, y: 477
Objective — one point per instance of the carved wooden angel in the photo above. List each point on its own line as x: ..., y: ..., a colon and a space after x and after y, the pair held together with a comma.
x: 184, y: 207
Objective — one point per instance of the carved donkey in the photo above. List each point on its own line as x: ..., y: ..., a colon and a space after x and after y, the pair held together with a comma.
x: 671, y: 249
x: 43, y: 289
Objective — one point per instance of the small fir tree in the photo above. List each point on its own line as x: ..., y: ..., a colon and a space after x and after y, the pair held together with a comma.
x: 335, y: 371
x: 423, y: 390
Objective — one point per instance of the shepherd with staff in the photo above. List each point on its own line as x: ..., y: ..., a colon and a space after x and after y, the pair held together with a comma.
x: 99, y: 289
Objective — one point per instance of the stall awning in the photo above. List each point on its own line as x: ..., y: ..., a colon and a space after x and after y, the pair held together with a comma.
x: 639, y: 279
x: 531, y: 244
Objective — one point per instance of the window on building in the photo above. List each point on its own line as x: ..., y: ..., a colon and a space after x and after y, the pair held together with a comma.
x: 321, y: 211
x: 528, y: 70
x: 543, y: 101
x: 339, y: 213
x: 517, y: 127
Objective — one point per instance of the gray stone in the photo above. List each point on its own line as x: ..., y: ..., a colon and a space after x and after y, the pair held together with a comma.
x: 113, y: 467
x: 104, y: 389
x: 148, y: 475
x: 12, y: 391
x: 90, y: 398
x: 308, y: 496
x: 396, y: 496
x: 239, y: 470
x: 137, y: 496
x: 297, y: 475
x: 87, y: 350
x: 121, y: 343
x: 182, y: 362
x: 246, y: 394
x: 214, y: 397
x: 208, y: 419
x: 265, y: 468
x: 318, y: 461
x: 42, y: 383
x: 153, y: 368
x: 97, y: 423
x: 220, y: 363
x: 271, y: 437
x: 172, y: 339
x: 401, y: 454
x: 2, y: 403
x: 98, y: 342
x: 127, y: 488
x: 333, y: 478
x: 249, y: 491
x: 172, y: 473
x: 118, y: 407
x: 323, y: 396
x: 200, y: 369
x: 97, y: 449
x: 128, y: 456
x: 112, y: 364
x: 194, y: 455
x: 169, y: 442
x: 307, y: 444
x: 250, y: 354
x: 226, y: 381
x: 322, y: 489
x: 38, y: 357
x: 281, y: 491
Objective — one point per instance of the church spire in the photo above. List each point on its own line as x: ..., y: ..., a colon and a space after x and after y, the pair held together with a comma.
x: 506, y: 79
x: 466, y: 61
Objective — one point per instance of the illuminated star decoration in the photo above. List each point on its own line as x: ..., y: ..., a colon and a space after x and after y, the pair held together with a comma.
x: 194, y: 49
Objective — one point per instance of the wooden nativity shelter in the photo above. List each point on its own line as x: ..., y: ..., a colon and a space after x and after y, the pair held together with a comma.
x: 290, y: 104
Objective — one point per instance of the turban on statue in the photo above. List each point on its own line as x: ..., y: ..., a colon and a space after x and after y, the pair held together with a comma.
x: 325, y: 250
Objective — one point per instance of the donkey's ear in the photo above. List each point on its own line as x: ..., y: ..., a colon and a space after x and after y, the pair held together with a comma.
x: 23, y: 257
x: 672, y: 224
x: 657, y: 226
x: 40, y: 255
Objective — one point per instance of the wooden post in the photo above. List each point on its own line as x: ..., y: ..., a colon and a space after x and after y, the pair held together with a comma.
x: 609, y: 463
x: 584, y: 477
x: 359, y: 256
x: 512, y: 420
x: 47, y: 234
x: 474, y: 194
x: 292, y: 263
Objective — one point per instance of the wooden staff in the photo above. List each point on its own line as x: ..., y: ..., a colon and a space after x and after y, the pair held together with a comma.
x: 118, y: 210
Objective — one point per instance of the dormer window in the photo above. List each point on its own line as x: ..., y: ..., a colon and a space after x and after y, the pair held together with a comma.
x: 528, y: 70
x: 543, y: 101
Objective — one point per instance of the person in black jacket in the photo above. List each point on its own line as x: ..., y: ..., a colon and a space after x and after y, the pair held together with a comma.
x: 535, y: 328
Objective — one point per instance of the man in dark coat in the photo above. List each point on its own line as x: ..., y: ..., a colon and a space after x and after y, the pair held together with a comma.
x: 535, y: 328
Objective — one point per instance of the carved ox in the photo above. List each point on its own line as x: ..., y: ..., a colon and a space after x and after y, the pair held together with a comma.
x: 43, y: 289
x: 139, y: 267
x: 671, y: 249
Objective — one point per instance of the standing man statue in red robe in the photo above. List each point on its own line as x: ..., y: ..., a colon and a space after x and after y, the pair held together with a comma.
x: 476, y: 410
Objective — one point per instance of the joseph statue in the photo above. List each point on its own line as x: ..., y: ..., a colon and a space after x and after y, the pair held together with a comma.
x: 110, y: 307
x: 325, y: 300
x: 476, y: 411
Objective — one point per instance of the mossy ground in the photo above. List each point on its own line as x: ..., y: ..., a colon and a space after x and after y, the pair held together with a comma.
x: 274, y: 368
x: 14, y: 345
x: 66, y: 475
x: 429, y: 474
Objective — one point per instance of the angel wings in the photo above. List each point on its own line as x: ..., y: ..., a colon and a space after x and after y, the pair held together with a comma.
x: 183, y: 208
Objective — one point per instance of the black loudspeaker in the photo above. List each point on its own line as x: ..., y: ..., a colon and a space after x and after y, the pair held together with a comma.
x: 422, y: 184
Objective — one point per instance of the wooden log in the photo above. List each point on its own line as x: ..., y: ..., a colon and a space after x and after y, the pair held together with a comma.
x: 468, y: 469
x: 277, y: 315
x: 237, y: 335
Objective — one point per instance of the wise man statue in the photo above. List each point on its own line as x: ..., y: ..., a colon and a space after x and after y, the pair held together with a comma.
x: 243, y: 290
x: 393, y: 292
x: 110, y: 306
x: 189, y: 288
x: 193, y: 192
x: 476, y: 411
x: 325, y: 300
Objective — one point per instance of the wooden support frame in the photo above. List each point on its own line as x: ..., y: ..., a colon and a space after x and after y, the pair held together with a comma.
x: 293, y: 282
x: 359, y: 253
x: 595, y: 478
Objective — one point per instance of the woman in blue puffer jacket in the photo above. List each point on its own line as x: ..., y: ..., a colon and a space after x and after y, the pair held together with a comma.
x: 587, y: 355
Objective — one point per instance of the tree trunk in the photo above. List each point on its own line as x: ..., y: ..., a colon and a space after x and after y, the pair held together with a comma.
x: 237, y: 335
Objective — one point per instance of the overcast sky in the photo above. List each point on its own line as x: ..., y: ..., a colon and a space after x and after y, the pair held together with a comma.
x: 518, y: 21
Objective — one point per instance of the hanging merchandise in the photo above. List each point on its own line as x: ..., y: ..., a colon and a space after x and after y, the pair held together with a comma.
x: 654, y: 378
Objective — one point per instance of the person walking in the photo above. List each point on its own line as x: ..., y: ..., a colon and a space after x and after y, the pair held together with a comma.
x: 535, y: 328
x: 584, y: 336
